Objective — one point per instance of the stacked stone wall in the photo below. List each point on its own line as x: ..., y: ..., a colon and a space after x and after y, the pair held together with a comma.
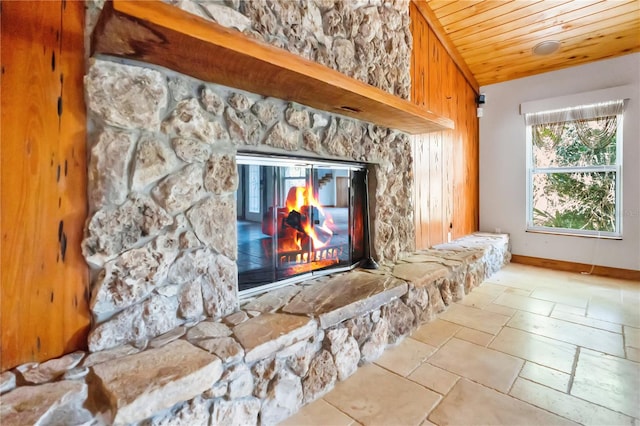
x: 161, y: 236
x: 262, y: 363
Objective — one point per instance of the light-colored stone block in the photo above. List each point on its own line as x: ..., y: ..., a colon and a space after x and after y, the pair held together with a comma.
x: 142, y: 384
x: 346, y: 296
x: 30, y: 405
x: 268, y: 333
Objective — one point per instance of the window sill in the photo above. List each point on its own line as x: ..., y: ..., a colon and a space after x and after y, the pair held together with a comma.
x: 571, y: 234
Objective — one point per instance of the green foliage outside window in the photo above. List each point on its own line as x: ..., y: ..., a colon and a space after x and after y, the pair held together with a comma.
x: 576, y: 199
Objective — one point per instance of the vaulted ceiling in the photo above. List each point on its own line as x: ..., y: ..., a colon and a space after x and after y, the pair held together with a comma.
x: 495, y: 38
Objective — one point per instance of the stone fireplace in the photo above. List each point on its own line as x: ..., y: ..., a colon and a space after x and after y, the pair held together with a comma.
x: 170, y: 175
x: 163, y: 175
x: 162, y: 237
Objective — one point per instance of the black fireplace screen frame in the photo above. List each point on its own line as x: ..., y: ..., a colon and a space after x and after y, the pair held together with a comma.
x: 297, y: 218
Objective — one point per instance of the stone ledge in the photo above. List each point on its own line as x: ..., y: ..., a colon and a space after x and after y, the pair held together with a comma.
x: 273, y: 361
x: 345, y: 296
x: 265, y: 334
x: 142, y: 384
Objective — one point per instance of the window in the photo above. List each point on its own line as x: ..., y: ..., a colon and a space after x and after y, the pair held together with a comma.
x: 254, y: 189
x: 574, y: 170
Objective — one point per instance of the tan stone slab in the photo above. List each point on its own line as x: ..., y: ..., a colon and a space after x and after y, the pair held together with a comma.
x: 568, y: 406
x: 272, y: 300
x: 576, y: 334
x: 477, y: 299
x: 466, y: 256
x: 589, y: 322
x: 474, y: 336
x: 539, y: 349
x: 608, y: 381
x: 521, y: 303
x: 48, y: 371
x: 26, y: 405
x: 469, y: 403
x: 405, y: 357
x: 632, y: 336
x: 477, y: 319
x: 577, y: 298
x: 268, y: 333
x: 346, y: 296
x: 485, y: 366
x: 420, y: 274
x: 436, y: 332
x: 375, y: 396
x: 318, y: 413
x: 434, y: 257
x: 546, y: 376
x: 434, y: 378
x: 142, y: 384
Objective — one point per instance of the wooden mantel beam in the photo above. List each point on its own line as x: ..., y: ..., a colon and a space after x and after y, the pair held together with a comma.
x: 164, y: 35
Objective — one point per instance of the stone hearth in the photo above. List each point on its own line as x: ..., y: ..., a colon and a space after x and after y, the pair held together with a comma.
x: 262, y: 363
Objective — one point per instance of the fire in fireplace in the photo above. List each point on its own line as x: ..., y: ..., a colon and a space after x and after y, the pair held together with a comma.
x: 296, y: 218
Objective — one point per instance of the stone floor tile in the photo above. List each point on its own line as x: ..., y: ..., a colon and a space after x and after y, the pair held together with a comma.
x: 318, y: 413
x: 574, y: 310
x: 532, y: 347
x: 546, y: 376
x: 490, y: 289
x: 614, y: 311
x: 405, y: 357
x: 474, y: 336
x: 434, y: 378
x: 499, y: 309
x: 576, y: 334
x: 469, y: 403
x: 576, y: 297
x: 485, y: 366
x: 388, y: 400
x: 518, y: 291
x: 477, y: 299
x: 608, y: 381
x: 436, y: 332
x: 632, y: 337
x: 589, y: 322
x: 567, y: 406
x: 523, y: 303
x: 478, y: 319
x: 633, y: 354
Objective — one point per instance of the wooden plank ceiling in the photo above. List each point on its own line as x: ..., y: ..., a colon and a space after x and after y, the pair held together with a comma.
x: 496, y: 38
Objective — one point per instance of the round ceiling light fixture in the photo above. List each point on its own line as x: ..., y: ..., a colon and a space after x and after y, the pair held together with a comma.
x: 546, y: 47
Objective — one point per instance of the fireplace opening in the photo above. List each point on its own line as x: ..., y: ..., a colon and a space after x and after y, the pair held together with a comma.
x: 297, y: 218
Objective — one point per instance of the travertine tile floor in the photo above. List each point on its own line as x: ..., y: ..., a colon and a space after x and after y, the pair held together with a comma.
x: 528, y: 346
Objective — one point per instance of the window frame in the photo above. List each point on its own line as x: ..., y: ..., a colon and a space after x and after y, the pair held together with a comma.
x: 616, y: 168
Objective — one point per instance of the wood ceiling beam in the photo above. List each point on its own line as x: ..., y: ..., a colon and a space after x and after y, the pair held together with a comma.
x: 440, y: 33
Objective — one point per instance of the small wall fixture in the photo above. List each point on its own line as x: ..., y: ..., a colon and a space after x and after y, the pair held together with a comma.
x: 546, y: 47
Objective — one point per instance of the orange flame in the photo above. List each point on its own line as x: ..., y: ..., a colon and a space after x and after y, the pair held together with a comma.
x: 303, y: 199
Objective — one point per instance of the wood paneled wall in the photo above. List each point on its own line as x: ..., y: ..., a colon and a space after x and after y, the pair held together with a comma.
x: 445, y: 163
x: 44, y: 309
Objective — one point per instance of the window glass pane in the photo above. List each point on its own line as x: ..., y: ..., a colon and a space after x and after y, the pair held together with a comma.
x: 585, y: 201
x: 569, y: 150
x: 254, y: 189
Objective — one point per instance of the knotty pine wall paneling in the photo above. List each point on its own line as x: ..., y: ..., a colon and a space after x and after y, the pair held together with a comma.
x: 445, y: 163
x: 44, y: 309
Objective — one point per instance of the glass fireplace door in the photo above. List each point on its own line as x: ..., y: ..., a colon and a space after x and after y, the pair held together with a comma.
x: 295, y: 218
